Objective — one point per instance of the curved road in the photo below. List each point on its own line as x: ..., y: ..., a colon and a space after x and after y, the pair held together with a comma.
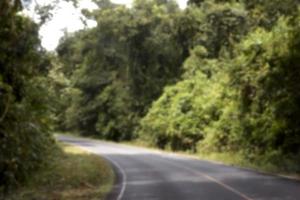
x: 144, y: 174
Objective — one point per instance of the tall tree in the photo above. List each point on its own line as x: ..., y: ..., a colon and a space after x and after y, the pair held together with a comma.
x: 25, y: 139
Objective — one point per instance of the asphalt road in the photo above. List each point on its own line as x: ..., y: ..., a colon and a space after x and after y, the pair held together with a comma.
x: 144, y: 174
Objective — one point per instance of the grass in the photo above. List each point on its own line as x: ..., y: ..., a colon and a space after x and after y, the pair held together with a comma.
x: 73, y: 174
x: 284, y: 167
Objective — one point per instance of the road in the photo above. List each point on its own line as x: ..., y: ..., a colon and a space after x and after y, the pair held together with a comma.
x: 144, y: 174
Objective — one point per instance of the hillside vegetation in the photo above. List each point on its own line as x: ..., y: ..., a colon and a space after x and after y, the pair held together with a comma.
x: 25, y: 100
x: 219, y: 76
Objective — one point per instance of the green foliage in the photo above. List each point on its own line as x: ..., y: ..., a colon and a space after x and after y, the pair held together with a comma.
x: 268, y: 99
x: 120, y: 67
x: 71, y: 174
x: 24, y: 102
x: 115, y: 119
x: 219, y: 76
x: 265, y: 13
x: 217, y: 27
x: 247, y: 104
x: 180, y: 116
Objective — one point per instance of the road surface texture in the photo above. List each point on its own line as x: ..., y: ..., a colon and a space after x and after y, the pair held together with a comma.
x: 144, y: 174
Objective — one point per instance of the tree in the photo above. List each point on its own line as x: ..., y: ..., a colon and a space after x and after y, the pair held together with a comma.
x: 24, y: 121
x: 121, y: 66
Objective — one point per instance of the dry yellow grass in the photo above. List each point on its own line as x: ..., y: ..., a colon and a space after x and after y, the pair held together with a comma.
x: 73, y: 174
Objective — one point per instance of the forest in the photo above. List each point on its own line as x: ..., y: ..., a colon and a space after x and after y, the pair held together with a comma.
x: 218, y: 76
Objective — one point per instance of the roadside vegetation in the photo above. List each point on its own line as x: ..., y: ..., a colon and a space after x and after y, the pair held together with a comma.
x: 32, y: 164
x: 25, y: 101
x: 218, y: 78
x: 72, y: 173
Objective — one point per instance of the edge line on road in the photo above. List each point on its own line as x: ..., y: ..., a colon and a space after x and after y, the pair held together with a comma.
x: 194, y: 157
x: 124, y: 177
x: 209, y: 178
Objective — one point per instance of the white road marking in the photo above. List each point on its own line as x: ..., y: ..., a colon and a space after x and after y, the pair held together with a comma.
x: 209, y: 178
x: 124, y: 177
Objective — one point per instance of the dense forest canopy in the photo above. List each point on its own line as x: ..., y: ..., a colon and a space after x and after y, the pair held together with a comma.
x: 25, y: 102
x: 218, y: 76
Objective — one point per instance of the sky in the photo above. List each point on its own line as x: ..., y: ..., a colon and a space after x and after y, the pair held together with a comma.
x: 67, y: 18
